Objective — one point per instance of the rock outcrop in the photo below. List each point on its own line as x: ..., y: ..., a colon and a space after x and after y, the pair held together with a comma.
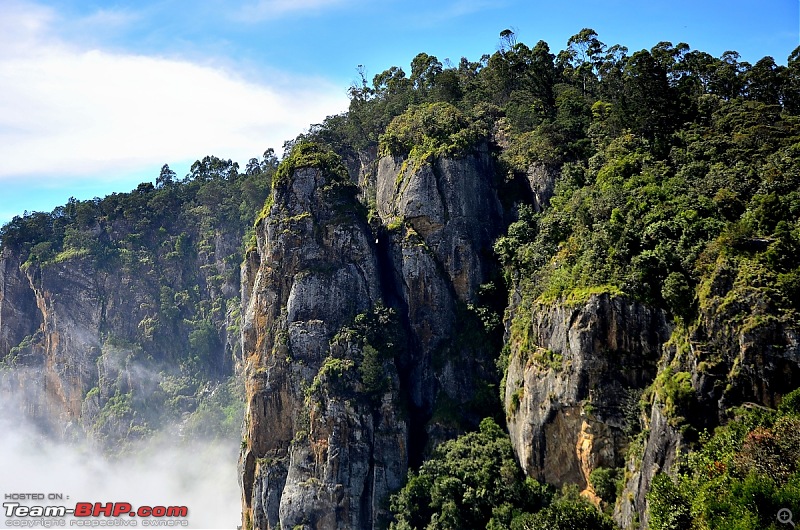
x: 574, y: 378
x: 737, y: 352
x: 19, y: 316
x: 445, y: 217
x: 335, y: 410
x: 317, y: 272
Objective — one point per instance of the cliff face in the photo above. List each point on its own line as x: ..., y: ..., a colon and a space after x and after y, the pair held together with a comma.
x: 317, y: 272
x: 740, y: 350
x: 362, y: 352
x: 575, y: 375
x: 610, y: 383
x: 353, y: 364
x: 91, y: 346
x: 59, y: 360
x: 445, y: 217
x: 19, y: 316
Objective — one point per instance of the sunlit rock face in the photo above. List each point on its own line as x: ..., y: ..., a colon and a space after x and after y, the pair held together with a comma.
x: 324, y: 444
x: 576, y: 372
x: 317, y: 271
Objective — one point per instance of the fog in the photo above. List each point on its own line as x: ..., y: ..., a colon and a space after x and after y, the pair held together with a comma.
x: 164, y: 470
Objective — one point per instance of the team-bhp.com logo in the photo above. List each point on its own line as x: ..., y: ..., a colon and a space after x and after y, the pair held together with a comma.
x: 85, y: 514
x: 88, y: 509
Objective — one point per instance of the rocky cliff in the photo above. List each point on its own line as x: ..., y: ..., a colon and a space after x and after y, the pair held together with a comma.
x: 356, y: 362
x: 117, y: 327
x: 740, y: 351
x: 575, y: 375
x: 596, y: 384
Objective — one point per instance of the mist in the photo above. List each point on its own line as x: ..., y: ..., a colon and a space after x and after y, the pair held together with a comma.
x: 163, y: 470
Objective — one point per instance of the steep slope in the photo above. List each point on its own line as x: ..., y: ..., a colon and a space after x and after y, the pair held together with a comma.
x: 119, y: 315
x: 741, y: 350
x: 309, y: 452
x: 354, y: 365
x: 575, y: 372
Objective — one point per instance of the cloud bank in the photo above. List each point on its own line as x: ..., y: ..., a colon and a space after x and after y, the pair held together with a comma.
x: 201, y: 476
x: 69, y: 111
x: 50, y: 456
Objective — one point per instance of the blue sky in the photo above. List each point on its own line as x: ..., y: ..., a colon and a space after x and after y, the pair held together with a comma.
x: 96, y: 96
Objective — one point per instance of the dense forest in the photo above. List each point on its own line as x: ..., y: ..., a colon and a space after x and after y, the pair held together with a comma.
x: 679, y: 186
x: 676, y: 184
x: 164, y: 267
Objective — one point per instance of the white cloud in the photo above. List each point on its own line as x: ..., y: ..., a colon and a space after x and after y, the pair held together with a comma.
x: 161, y: 471
x: 71, y: 111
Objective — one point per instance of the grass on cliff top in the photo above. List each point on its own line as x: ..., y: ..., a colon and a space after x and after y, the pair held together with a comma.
x: 305, y: 154
x: 429, y: 130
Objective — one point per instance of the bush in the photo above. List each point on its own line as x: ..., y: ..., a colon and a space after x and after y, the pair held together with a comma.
x: 464, y: 482
x: 430, y: 129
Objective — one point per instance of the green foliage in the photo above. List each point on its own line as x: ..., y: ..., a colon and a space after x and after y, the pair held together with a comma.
x: 740, y: 477
x: 219, y: 415
x: 467, y: 483
x: 475, y: 482
x: 429, y: 130
x: 605, y: 483
x: 645, y: 224
x: 790, y: 404
x: 669, y: 509
x: 675, y: 391
x: 362, y: 358
x: 333, y: 376
x: 677, y: 294
x: 529, y: 148
x: 371, y: 369
x: 203, y: 343
x: 568, y: 511
x: 548, y: 359
x: 310, y: 154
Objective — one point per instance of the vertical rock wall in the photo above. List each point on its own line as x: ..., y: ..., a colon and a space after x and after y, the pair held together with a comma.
x: 573, y: 370
x: 324, y: 446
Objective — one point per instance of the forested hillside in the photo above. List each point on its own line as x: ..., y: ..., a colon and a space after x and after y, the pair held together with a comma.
x: 135, y: 297
x: 668, y: 179
x: 535, y: 290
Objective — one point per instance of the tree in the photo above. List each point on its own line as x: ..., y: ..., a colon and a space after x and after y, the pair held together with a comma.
x: 791, y: 83
x: 213, y: 168
x: 583, y: 51
x: 726, y: 79
x: 508, y: 39
x: 424, y: 71
x: 464, y: 482
x: 649, y: 101
x: 166, y: 177
x: 694, y: 70
x: 669, y: 509
x: 764, y: 81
